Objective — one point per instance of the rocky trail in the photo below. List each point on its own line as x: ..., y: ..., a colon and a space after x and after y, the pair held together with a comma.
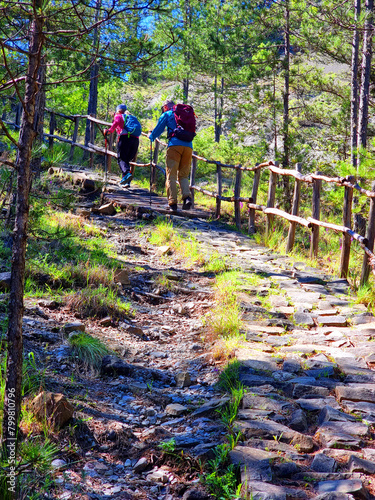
x: 308, y: 414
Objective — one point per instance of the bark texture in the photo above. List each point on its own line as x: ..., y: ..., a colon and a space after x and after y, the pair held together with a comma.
x: 365, y: 76
x: 13, y: 388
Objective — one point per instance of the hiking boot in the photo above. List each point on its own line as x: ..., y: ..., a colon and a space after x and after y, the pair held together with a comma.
x: 187, y: 203
x: 127, y: 185
x: 173, y: 207
x: 126, y: 179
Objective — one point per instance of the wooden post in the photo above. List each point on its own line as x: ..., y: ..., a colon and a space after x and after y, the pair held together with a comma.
x: 295, y: 211
x: 74, y: 138
x: 315, y: 215
x: 155, y: 157
x: 194, y: 165
x: 254, y: 195
x: 370, y: 235
x: 219, y: 181
x: 92, y: 141
x: 237, y: 194
x: 271, y: 199
x: 347, y: 222
x: 52, y: 125
x: 110, y: 148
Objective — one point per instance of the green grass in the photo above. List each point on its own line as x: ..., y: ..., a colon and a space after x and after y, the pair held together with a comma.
x: 224, y: 320
x: 89, y: 350
x: 33, y: 471
x: 98, y: 303
x: 366, y: 295
x: 221, y: 477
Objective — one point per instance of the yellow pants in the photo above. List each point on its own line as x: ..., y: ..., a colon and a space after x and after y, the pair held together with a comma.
x: 178, y: 165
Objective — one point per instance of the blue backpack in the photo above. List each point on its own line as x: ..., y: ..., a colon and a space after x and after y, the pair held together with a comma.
x: 132, y: 126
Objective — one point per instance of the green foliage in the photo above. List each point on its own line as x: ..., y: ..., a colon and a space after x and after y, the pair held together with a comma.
x: 163, y: 232
x: 98, y: 303
x: 33, y: 379
x: 228, y: 414
x: 225, y: 317
x: 229, y: 376
x: 38, y: 453
x: 366, y: 295
x: 222, y: 479
x: 89, y: 350
x: 168, y: 446
x: 33, y: 469
x: 216, y: 263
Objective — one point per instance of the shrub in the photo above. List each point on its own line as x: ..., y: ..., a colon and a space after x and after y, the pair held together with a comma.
x: 89, y: 350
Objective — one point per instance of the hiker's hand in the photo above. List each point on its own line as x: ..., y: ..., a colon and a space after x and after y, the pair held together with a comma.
x: 105, y: 133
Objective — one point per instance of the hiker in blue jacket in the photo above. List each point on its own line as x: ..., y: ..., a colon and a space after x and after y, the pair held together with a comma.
x: 178, y: 160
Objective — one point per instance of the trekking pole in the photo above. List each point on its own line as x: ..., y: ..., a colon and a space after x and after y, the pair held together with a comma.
x: 105, y: 154
x: 150, y: 168
x: 105, y: 161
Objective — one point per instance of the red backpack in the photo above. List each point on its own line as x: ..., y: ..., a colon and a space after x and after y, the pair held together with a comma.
x: 185, y: 121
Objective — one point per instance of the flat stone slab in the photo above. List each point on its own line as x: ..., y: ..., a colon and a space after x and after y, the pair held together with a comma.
x: 250, y: 358
x: 251, y: 401
x: 329, y: 371
x: 256, y: 380
x: 284, y: 310
x: 353, y: 486
x: 356, y: 392
x: 303, y: 297
x: 353, y: 428
x: 254, y: 463
x: 325, y: 305
x: 278, y: 301
x: 270, y: 330
x: 362, y: 407
x: 302, y: 318
x: 323, y: 463
x: 317, y: 404
x: 332, y: 321
x: 305, y: 348
x: 341, y: 434
x: 210, y: 406
x: 266, y: 491
x: 329, y: 414
x: 309, y: 391
x: 266, y: 430
x: 318, y: 361
x: 327, y: 312
x: 357, y: 464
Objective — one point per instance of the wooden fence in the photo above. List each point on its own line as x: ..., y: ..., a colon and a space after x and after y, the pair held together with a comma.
x: 315, y: 181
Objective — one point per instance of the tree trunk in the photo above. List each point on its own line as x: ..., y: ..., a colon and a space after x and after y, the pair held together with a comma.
x: 187, y: 22
x: 93, y: 92
x: 13, y: 388
x: 354, y: 88
x: 365, y: 77
x: 286, y: 139
x: 185, y: 89
x: 40, y: 104
x: 219, y: 103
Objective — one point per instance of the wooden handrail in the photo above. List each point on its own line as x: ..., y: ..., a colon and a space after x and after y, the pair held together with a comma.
x: 313, y: 223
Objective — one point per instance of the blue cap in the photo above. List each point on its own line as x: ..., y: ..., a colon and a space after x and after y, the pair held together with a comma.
x: 121, y: 107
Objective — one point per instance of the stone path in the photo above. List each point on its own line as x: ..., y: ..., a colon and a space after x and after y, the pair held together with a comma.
x: 307, y: 418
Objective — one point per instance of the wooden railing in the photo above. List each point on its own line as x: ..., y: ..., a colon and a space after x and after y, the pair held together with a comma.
x: 313, y: 222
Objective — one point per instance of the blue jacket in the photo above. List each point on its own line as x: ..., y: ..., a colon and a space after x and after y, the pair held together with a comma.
x: 167, y: 119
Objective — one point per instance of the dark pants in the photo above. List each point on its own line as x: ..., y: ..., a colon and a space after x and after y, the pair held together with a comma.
x: 127, y: 148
